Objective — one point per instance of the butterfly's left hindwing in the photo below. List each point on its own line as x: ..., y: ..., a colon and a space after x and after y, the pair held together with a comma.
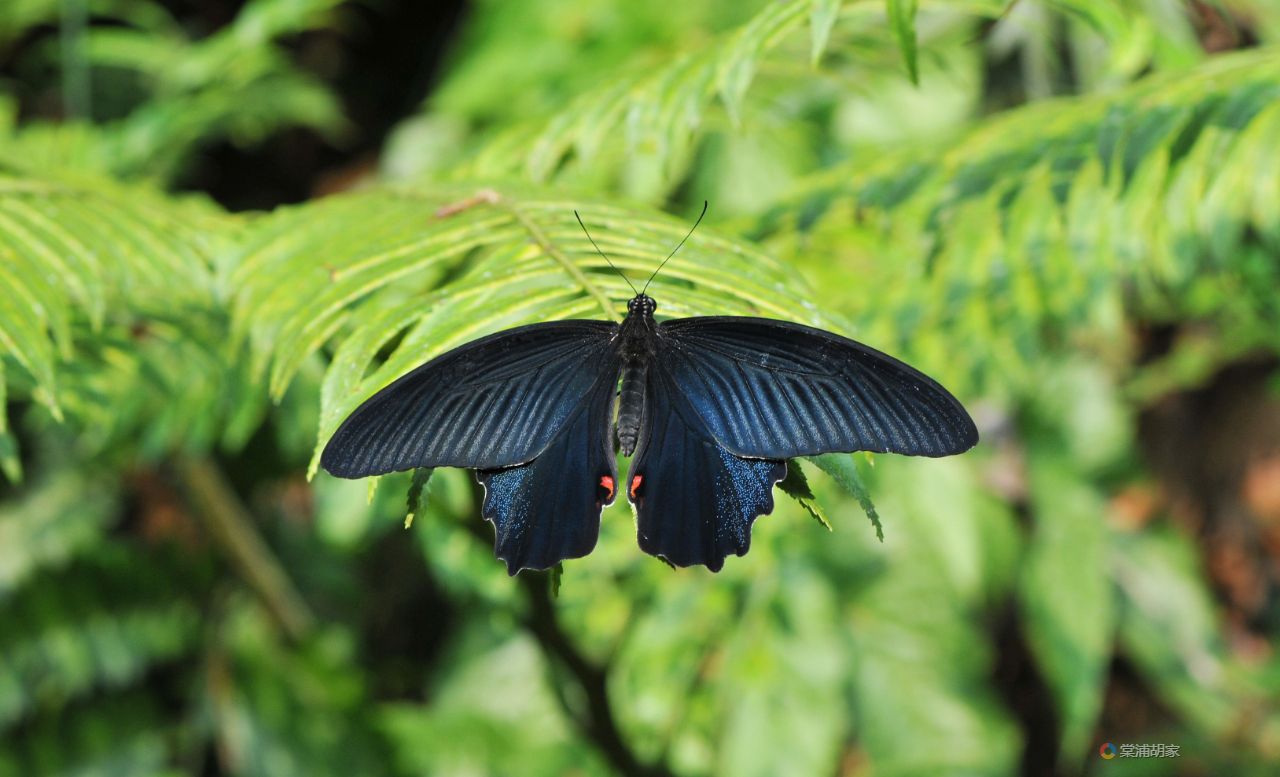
x: 548, y: 509
x: 695, y: 501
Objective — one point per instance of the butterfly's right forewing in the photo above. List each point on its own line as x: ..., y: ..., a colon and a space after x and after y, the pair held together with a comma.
x: 530, y: 409
x: 548, y: 509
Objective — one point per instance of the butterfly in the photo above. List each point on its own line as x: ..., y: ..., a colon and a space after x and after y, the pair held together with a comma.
x: 709, y: 409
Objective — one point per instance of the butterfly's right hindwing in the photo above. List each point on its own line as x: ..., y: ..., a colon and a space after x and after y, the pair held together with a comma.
x: 495, y: 402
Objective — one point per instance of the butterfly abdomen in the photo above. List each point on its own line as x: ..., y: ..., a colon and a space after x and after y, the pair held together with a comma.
x: 631, y: 403
x: 638, y: 349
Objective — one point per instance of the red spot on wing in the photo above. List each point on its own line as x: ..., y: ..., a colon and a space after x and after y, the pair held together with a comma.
x: 606, y: 483
x: 635, y: 483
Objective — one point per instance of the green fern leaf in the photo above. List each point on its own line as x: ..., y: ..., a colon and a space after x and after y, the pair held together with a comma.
x: 1061, y: 214
x: 841, y: 468
x: 83, y: 263
x: 654, y: 112
x: 436, y: 281
x: 796, y: 486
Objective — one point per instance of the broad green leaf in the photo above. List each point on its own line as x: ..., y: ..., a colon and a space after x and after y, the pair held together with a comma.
x: 822, y: 17
x: 1168, y: 626
x: 1066, y: 598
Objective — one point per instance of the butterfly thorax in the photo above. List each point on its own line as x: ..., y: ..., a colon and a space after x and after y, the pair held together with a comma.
x: 637, y: 336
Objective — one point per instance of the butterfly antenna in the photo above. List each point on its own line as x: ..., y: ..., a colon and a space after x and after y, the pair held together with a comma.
x: 593, y: 242
x: 677, y: 248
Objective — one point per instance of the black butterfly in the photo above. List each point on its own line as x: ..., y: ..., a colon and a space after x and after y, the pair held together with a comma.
x: 711, y: 407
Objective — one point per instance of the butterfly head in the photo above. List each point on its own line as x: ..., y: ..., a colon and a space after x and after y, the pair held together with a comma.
x: 642, y: 305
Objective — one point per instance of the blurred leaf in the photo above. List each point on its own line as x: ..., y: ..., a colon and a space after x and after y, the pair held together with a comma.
x: 922, y: 655
x: 902, y: 20
x: 494, y: 714
x: 1079, y: 401
x: 821, y: 18
x: 275, y: 711
x: 128, y: 734
x: 52, y: 522
x: 780, y: 701
x: 1066, y: 598
x: 10, y: 464
x: 237, y: 84
x: 1169, y: 627
x: 98, y: 624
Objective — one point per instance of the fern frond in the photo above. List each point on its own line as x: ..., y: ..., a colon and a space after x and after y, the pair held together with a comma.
x: 365, y: 269
x: 166, y: 382
x: 50, y: 525
x: 1063, y: 213
x: 657, y: 112
x: 86, y: 251
x: 98, y: 624
x: 120, y: 734
x: 237, y: 84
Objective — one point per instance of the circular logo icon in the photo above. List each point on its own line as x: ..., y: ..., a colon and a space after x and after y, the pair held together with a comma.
x: 1107, y: 751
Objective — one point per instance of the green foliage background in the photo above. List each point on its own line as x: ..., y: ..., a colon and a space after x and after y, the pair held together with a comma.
x: 1068, y: 211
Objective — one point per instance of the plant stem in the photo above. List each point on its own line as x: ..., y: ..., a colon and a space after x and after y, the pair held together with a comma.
x: 600, y: 726
x: 76, y: 94
x: 232, y: 528
x: 555, y: 253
